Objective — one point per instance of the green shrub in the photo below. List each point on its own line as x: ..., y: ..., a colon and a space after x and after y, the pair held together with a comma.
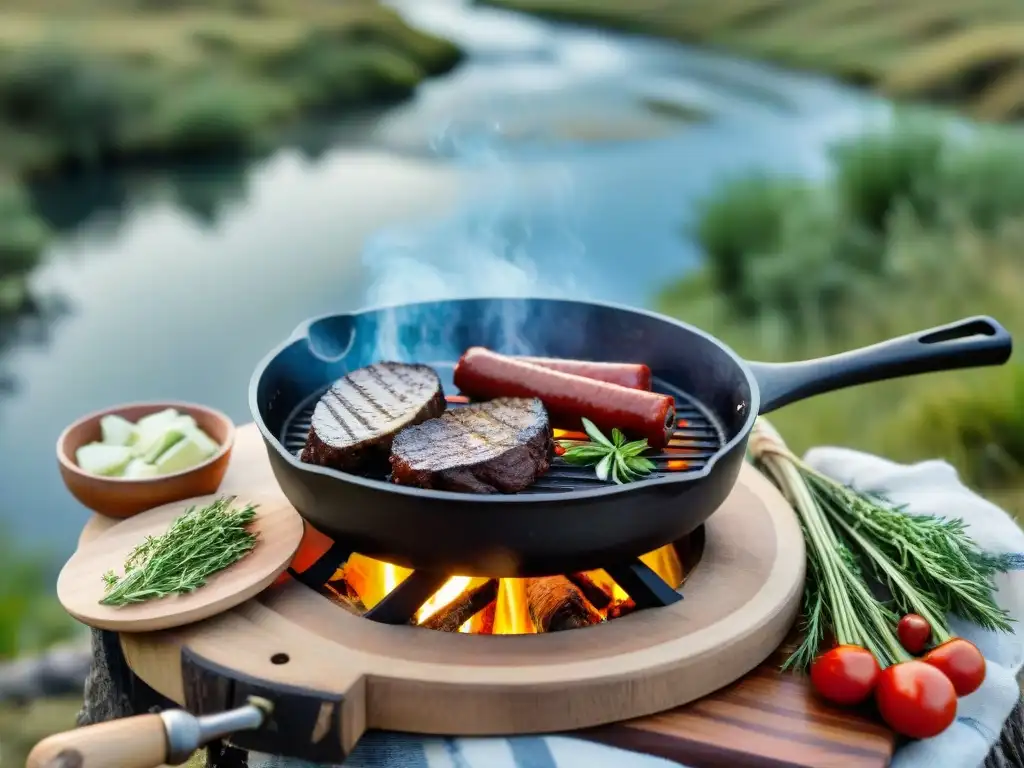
x: 801, y: 252
x: 211, y: 115
x: 876, y: 171
x: 744, y: 221
x: 433, y: 54
x: 81, y: 103
x: 22, y: 234
x: 324, y: 71
x: 985, y: 179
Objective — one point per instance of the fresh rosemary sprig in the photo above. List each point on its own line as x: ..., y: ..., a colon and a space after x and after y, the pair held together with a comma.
x: 930, y: 565
x: 198, y: 543
x: 612, y: 458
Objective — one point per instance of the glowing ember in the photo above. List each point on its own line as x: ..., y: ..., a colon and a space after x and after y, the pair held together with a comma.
x: 456, y: 398
x: 565, y: 434
x: 682, y: 424
x: 677, y: 465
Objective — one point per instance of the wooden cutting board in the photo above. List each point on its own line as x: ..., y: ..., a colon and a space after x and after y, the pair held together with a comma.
x: 80, y: 586
x: 766, y: 719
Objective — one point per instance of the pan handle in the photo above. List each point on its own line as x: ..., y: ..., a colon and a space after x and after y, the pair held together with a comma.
x: 969, y: 343
x: 144, y: 741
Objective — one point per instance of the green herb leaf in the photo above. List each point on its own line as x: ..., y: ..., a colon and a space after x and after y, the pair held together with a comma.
x: 584, y: 454
x: 613, y: 459
x: 635, y: 448
x: 595, y: 434
x: 640, y: 465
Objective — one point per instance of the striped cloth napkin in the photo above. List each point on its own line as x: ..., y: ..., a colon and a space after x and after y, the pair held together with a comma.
x: 931, y: 487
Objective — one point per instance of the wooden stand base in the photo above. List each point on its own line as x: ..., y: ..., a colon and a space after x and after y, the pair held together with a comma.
x: 335, y: 675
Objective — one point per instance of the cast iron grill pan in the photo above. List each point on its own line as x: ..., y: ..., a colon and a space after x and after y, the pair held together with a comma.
x: 568, y: 521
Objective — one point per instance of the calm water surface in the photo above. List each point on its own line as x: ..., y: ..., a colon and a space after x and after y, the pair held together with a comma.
x: 554, y: 161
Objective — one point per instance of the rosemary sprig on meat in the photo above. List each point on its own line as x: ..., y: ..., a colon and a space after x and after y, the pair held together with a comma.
x: 612, y: 458
x: 198, y: 544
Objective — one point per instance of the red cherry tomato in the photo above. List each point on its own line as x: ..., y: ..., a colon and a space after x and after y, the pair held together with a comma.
x: 914, y: 632
x: 961, y: 662
x: 915, y: 699
x: 559, y: 450
x: 845, y: 674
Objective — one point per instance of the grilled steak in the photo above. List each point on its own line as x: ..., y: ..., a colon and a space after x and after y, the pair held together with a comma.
x: 502, y: 445
x: 358, y: 417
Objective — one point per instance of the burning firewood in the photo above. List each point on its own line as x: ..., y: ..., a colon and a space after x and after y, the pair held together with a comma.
x: 341, y: 591
x: 598, y: 596
x: 450, y: 617
x: 483, y: 622
x: 620, y: 608
x: 602, y: 596
x: 555, y: 603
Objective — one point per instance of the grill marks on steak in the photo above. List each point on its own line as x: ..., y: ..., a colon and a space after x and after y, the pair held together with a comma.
x: 356, y: 420
x: 502, y: 445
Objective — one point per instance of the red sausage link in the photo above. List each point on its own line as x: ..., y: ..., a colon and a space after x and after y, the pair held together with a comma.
x: 484, y: 374
x: 632, y: 375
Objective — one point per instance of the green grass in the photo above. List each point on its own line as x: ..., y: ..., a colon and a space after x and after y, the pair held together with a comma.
x: 912, y: 230
x: 31, y: 619
x: 969, y: 54
x: 22, y: 727
x: 123, y: 81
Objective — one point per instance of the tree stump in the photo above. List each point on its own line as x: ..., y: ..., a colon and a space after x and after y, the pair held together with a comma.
x: 112, y: 690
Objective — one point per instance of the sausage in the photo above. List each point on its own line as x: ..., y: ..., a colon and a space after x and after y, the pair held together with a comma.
x: 484, y: 374
x: 632, y: 375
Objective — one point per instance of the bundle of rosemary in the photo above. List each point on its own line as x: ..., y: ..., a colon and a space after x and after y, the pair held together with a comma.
x: 199, y: 543
x: 930, y: 567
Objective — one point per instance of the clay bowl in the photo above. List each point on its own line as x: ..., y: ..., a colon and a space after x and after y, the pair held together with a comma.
x: 122, y: 497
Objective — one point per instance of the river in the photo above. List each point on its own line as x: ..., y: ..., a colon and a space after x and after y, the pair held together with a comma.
x: 555, y: 160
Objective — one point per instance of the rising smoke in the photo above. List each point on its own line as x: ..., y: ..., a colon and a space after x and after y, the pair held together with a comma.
x: 511, y: 217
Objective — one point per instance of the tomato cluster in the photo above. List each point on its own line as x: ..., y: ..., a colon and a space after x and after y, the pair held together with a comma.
x: 916, y: 698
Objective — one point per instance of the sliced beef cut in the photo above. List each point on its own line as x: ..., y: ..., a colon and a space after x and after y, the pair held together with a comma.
x: 358, y: 417
x: 502, y: 445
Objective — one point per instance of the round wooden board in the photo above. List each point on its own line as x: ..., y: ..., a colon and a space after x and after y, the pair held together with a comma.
x: 296, y: 645
x: 80, y: 586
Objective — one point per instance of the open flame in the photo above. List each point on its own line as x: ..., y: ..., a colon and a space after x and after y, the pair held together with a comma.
x: 519, y: 606
x: 507, y: 606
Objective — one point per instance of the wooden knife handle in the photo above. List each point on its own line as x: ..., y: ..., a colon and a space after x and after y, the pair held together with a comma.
x: 132, y: 742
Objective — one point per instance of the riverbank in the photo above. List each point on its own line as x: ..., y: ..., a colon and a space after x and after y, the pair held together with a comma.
x: 132, y: 81
x: 967, y: 55
x: 913, y: 230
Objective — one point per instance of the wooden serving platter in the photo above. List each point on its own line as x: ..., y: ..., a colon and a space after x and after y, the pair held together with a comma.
x: 336, y: 674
